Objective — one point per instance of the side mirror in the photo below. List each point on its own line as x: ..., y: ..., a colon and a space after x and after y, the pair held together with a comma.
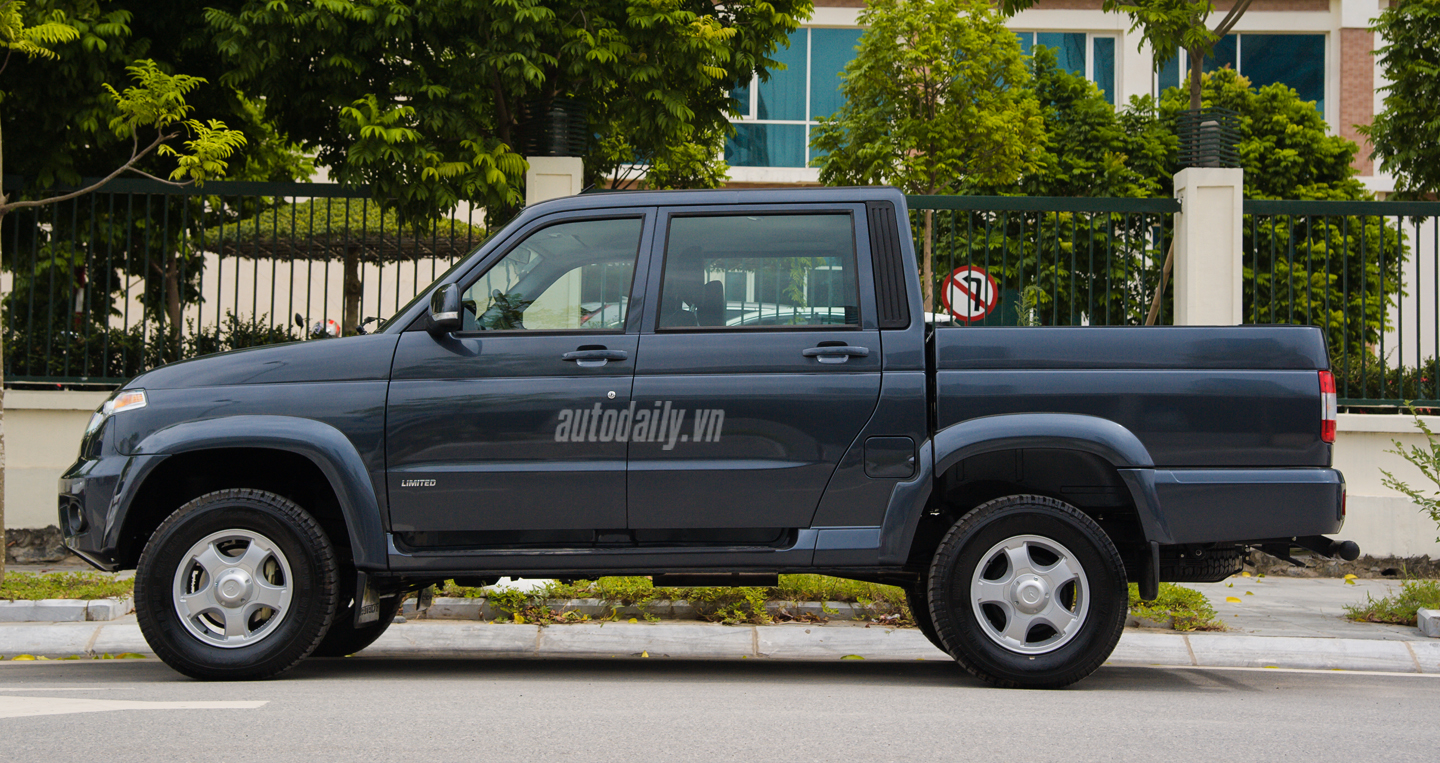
x: 444, y: 310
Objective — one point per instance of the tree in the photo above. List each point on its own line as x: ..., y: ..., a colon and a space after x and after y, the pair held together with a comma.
x: 429, y: 102
x: 1406, y: 134
x: 937, y: 96
x: 155, y: 104
x: 1168, y: 26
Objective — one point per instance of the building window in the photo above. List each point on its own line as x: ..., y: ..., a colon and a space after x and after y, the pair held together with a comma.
x: 776, y: 116
x: 1296, y: 60
x: 1088, y: 55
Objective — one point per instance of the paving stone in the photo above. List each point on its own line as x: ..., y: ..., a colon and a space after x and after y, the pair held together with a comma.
x: 1427, y: 653
x: 120, y: 638
x: 667, y: 640
x: 801, y: 642
x: 47, y: 639
x: 1141, y: 648
x: 1223, y: 650
x: 103, y: 610
x: 442, y: 639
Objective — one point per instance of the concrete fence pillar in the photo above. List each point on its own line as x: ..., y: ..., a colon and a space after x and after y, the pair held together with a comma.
x: 1208, y: 240
x: 551, y: 177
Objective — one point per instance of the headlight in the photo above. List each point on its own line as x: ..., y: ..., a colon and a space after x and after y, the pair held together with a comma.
x: 123, y: 400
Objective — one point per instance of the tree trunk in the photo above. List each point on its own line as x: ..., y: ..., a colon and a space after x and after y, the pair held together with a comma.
x: 1196, y: 64
x: 172, y: 300
x: 929, y: 272
x: 350, y: 319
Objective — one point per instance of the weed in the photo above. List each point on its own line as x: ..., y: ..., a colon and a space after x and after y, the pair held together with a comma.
x: 1185, y: 608
x: 1399, y: 608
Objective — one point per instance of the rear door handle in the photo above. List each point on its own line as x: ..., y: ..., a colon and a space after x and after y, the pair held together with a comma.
x: 835, y: 353
x: 593, y: 358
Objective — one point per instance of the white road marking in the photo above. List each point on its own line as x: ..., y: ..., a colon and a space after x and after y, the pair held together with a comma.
x: 25, y: 707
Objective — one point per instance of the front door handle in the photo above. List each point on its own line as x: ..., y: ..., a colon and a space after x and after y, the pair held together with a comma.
x: 593, y: 357
x: 835, y: 353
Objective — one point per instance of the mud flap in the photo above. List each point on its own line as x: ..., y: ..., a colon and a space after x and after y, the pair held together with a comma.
x: 367, y: 604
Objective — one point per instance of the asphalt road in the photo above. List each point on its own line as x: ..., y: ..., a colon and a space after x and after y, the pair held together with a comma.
x: 673, y: 710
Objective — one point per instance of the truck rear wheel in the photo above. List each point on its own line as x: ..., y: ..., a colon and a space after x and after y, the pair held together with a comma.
x: 236, y: 585
x: 1028, y: 592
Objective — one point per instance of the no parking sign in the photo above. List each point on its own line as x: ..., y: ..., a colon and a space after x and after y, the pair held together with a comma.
x: 970, y: 294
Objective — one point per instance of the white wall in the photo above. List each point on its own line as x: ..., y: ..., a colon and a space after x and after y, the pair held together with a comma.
x: 1383, y: 521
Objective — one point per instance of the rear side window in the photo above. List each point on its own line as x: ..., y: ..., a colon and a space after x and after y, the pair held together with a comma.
x: 760, y: 271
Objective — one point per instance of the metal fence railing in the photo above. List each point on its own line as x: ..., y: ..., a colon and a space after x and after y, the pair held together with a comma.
x: 1003, y: 260
x: 1365, y: 272
x: 140, y: 273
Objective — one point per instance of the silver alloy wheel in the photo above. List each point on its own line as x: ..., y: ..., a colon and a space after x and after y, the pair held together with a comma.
x: 1030, y: 594
x: 232, y: 588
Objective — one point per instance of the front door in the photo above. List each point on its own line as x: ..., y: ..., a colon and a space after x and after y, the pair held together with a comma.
x: 503, y: 433
x: 759, y: 365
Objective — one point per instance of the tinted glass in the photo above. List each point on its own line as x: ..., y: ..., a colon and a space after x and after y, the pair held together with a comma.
x: 830, y: 51
x: 760, y: 271
x: 1297, y: 60
x: 755, y: 145
x: 1169, y: 75
x: 1069, y: 49
x: 741, y: 94
x: 570, y: 276
x: 1222, y: 56
x: 1104, y: 67
x: 783, y: 97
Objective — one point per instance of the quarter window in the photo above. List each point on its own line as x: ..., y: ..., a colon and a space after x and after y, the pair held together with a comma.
x: 572, y: 276
x: 760, y: 272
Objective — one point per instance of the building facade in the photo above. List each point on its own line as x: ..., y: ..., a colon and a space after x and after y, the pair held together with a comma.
x: 1321, y: 48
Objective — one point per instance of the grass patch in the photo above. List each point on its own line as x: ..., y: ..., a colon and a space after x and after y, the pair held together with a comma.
x: 715, y: 604
x: 1398, y: 608
x: 1185, y: 608
x: 29, y: 586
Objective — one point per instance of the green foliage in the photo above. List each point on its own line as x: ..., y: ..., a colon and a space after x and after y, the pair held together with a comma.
x: 38, y: 37
x: 1185, y: 608
x: 1406, y: 134
x: 29, y: 586
x: 427, y: 102
x: 937, y: 95
x: 1400, y: 608
x: 1427, y: 460
x: 1090, y: 148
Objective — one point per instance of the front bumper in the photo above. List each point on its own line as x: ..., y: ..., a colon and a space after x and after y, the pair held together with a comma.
x: 95, y: 494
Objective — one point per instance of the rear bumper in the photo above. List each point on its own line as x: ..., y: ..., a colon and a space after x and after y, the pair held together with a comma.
x: 1237, y: 505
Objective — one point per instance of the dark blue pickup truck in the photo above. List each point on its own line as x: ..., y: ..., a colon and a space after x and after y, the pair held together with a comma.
x: 711, y: 388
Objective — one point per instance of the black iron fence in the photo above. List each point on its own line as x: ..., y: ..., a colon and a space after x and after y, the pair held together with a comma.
x: 112, y: 283
x: 140, y: 273
x: 1016, y: 261
x: 1365, y: 272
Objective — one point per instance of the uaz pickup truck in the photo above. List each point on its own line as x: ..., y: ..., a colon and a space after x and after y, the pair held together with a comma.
x: 710, y: 388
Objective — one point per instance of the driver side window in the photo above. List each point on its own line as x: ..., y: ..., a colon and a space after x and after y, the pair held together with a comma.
x: 572, y: 276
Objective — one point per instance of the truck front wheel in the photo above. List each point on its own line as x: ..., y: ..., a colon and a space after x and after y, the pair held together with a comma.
x: 1028, y: 592
x: 236, y: 585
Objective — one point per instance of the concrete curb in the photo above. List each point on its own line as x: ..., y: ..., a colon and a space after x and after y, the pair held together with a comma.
x: 64, y: 610
x: 442, y: 640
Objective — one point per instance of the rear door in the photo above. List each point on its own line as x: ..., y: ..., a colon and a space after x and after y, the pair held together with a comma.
x: 759, y: 364
x: 504, y: 433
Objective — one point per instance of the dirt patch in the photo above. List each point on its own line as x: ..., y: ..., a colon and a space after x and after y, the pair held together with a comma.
x: 45, y: 546
x: 1397, y: 567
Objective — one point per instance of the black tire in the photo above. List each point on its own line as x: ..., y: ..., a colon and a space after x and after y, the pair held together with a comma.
x: 344, y: 638
x: 1042, y: 531
x: 298, y: 547
x: 919, y: 600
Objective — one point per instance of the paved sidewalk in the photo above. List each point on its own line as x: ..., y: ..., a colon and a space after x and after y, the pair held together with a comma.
x: 1278, y: 622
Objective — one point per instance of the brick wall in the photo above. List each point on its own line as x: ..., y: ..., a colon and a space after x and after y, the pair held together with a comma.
x: 1357, y: 90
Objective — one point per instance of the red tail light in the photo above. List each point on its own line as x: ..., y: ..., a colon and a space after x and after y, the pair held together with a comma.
x: 1329, y: 407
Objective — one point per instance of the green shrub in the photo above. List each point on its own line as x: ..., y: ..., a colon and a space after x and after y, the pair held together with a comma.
x: 63, y: 585
x: 1186, y: 608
